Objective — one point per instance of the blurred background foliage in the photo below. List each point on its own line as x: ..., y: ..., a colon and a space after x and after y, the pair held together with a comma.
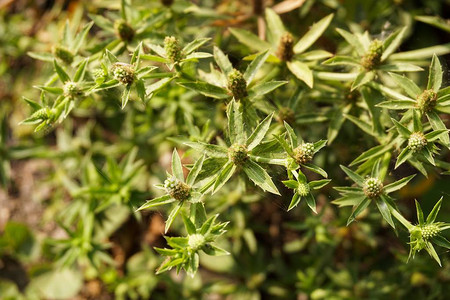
x: 48, y: 180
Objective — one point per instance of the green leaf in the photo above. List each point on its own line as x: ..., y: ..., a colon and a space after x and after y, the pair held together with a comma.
x: 292, y: 184
x: 435, y: 134
x: 314, y: 55
x: 358, y: 209
x: 419, y: 211
x: 177, y: 167
x: 430, y: 249
x: 291, y: 134
x: 209, y: 149
x: 385, y: 211
x: 364, y: 126
x: 236, y: 123
x: 213, y: 250
x: 318, y: 184
x: 249, y: 39
x: 254, y: 66
x: 222, y: 61
x: 60, y: 71
x: 79, y: 74
x: 259, y: 176
x: 295, y: 201
x: 173, y: 213
x: 441, y: 241
x: 206, y: 89
x: 407, y: 85
x: 155, y: 58
x: 435, y: 74
x: 392, y: 42
x: 353, y: 41
x: 362, y: 78
x: 285, y: 145
x: 301, y: 71
x: 190, y: 227
x: 404, y: 132
x: 125, y: 96
x: 194, y: 45
x: 190, y: 179
x: 259, y: 133
x: 274, y: 25
x: 421, y: 53
x: 403, y: 156
x: 313, y: 34
x: 433, y: 214
x: 316, y: 169
x: 264, y: 88
x: 81, y: 36
x: 397, y: 104
x: 392, y: 187
x: 417, y: 122
x: 156, y: 202
x: 436, y: 21
x: 311, y: 202
x: 342, y: 60
x: 437, y: 124
x: 224, y: 175
x: 358, y: 179
x: 33, y: 104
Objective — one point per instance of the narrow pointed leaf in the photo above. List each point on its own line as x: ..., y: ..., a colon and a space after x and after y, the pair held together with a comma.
x: 313, y: 34
x: 435, y: 75
x: 259, y: 176
x: 385, y: 211
x: 173, y: 213
x: 259, y: 133
x: 302, y: 72
x: 157, y: 202
x: 254, y: 66
x: 433, y: 214
x: 177, y: 167
x: 407, y: 85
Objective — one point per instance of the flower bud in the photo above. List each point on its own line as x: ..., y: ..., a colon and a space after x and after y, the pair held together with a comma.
x: 372, y: 187
x: 124, y: 30
x: 176, y: 189
x: 303, y: 189
x: 417, y: 141
x: 123, y: 73
x: 238, y: 154
x: 237, y: 85
x: 373, y: 56
x: 285, y: 50
x: 173, y: 49
x: 71, y: 89
x: 63, y: 54
x: 304, y: 153
x: 196, y: 241
x: 427, y: 100
x: 98, y: 73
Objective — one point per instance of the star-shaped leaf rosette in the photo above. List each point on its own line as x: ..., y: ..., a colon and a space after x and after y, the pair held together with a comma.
x: 302, y: 189
x: 429, y: 102
x: 284, y: 49
x: 238, y: 153
x: 420, y: 145
x: 427, y: 232
x: 367, y: 190
x: 299, y: 153
x: 177, y: 188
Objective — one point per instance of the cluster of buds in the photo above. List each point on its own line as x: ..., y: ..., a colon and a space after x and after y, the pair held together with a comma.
x: 124, y: 30
x: 196, y: 241
x: 71, y: 89
x: 99, y: 73
x: 427, y: 100
x: 237, y: 85
x: 285, y: 50
x: 176, y: 189
x: 303, y: 189
x: 304, y: 153
x: 373, y: 187
x: 123, y: 72
x: 419, y: 235
x: 417, y: 141
x: 373, y: 56
x: 238, y: 154
x: 173, y: 49
x: 63, y: 54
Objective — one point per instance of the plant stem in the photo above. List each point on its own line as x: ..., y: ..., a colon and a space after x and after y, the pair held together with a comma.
x: 402, y: 219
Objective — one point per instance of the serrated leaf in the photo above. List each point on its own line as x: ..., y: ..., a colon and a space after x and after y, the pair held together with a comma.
x: 224, y: 175
x: 407, y: 85
x: 259, y: 133
x: 437, y: 124
x: 392, y: 42
x: 358, y: 179
x: 264, y: 88
x: 166, y: 199
x: 435, y: 74
x: 206, y: 89
x: 259, y: 176
x: 222, y: 61
x: 358, y: 210
x: 254, y: 66
x: 392, y: 187
x: 173, y: 213
x: 177, y: 167
x: 190, y: 179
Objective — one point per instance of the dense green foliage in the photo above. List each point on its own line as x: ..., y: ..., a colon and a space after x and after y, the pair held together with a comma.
x: 225, y: 149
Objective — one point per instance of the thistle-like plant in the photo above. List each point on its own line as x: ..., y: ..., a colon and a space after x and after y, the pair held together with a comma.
x: 177, y: 188
x: 284, y: 49
x: 368, y: 189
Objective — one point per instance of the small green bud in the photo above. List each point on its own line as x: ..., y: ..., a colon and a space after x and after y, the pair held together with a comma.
x: 419, y: 235
x: 429, y: 231
x: 71, y: 89
x: 304, y: 153
x: 63, y: 54
x: 196, y: 241
x: 285, y: 50
x: 238, y: 154
x: 417, y: 141
x: 98, y: 73
x: 173, y: 49
x: 237, y: 85
x: 178, y: 190
x: 372, y: 187
x: 373, y: 56
x: 427, y: 100
x: 123, y: 73
x: 303, y: 189
x: 124, y: 30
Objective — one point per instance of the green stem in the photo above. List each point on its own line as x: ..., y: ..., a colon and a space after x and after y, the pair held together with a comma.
x: 402, y: 219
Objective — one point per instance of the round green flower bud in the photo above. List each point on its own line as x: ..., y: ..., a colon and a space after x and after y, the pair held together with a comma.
x: 373, y: 56
x: 71, y: 89
x: 303, y: 189
x: 173, y: 49
x: 238, y: 154
x: 427, y: 100
x: 98, y: 73
x: 237, y: 85
x: 429, y: 231
x: 124, y: 73
x: 285, y: 50
x: 417, y: 141
x: 196, y: 241
x: 372, y: 187
x: 63, y: 54
x: 304, y: 153
x: 176, y: 189
x: 124, y: 30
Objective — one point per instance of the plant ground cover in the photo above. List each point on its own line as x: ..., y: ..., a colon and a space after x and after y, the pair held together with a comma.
x: 224, y: 149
